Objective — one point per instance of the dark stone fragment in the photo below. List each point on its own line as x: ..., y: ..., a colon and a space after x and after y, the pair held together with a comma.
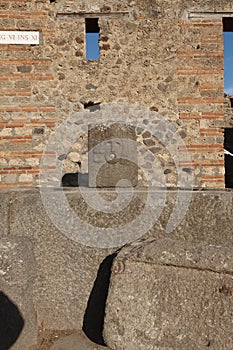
x: 24, y: 69
x: 61, y: 76
x: 38, y: 131
x: 146, y: 135
x: 105, y: 47
x: 155, y: 149
x: 187, y: 170
x: 168, y: 79
x: 105, y: 9
x: 139, y: 131
x: 90, y: 86
x: 62, y: 157
x: 162, y: 87
x: 183, y: 134
x: 172, y: 163
x: 116, y: 47
x: 78, y: 53
x: 167, y: 171
x: 154, y: 108
x: 173, y: 141
x: 79, y: 40
x: 104, y: 38
x: 60, y: 42
x: 149, y: 142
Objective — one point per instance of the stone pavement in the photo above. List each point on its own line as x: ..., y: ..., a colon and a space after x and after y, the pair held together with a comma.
x: 76, y: 341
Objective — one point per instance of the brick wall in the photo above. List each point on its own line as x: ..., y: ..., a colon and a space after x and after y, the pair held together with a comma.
x: 201, y: 98
x: 25, y: 118
x: 156, y: 55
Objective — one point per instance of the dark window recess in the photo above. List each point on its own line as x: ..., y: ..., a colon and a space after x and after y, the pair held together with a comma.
x: 228, y: 147
x: 92, y: 39
x: 231, y: 102
x: 92, y: 106
x: 228, y: 24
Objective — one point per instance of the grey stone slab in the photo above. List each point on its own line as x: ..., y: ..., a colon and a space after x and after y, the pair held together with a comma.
x: 112, y: 155
x: 170, y: 295
x: 66, y: 269
x: 17, y: 274
x: 76, y: 342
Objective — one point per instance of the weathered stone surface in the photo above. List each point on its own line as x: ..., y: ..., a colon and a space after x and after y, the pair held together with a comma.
x: 112, y: 155
x: 209, y: 218
x: 17, y: 274
x: 66, y: 270
x: 167, y: 294
x: 76, y: 342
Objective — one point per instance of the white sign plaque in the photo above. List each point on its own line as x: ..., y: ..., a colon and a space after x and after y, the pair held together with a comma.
x: 19, y: 37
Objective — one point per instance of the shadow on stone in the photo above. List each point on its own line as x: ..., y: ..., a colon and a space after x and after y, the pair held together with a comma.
x: 94, y: 316
x: 75, y: 180
x: 11, y: 322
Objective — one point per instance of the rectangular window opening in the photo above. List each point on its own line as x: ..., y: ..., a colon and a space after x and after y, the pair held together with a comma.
x: 228, y: 56
x: 92, y: 39
x: 228, y: 90
x: 231, y: 102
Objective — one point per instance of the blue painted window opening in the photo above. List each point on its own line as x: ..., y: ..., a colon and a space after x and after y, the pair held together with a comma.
x: 228, y: 89
x: 92, y: 39
x: 228, y: 55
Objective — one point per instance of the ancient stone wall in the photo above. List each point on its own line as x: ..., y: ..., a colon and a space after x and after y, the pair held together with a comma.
x: 164, y: 55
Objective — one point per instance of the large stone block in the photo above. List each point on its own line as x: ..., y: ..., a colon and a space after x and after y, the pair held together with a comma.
x: 169, y: 295
x: 66, y: 269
